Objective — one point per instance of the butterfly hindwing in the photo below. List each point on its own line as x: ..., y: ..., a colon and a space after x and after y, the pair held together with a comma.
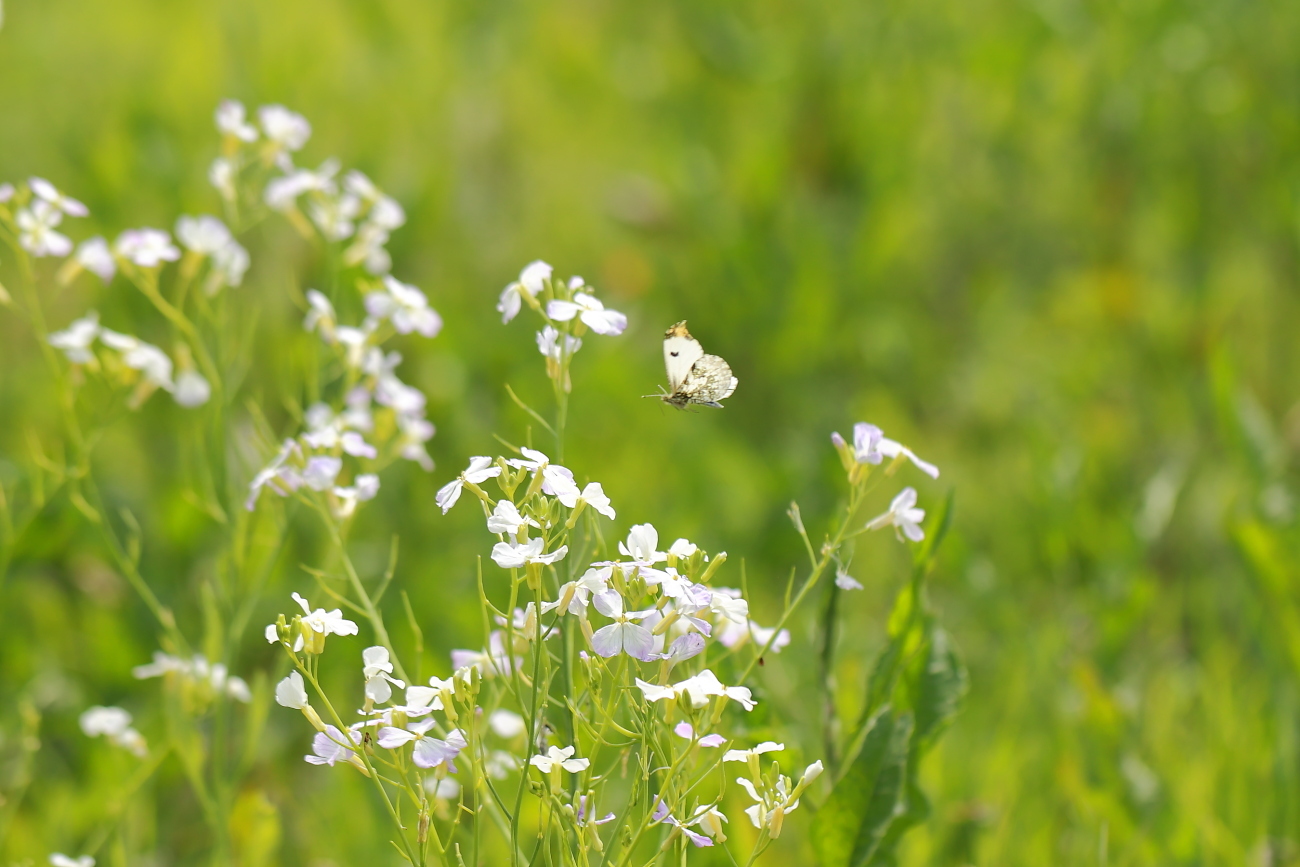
x: 693, y: 376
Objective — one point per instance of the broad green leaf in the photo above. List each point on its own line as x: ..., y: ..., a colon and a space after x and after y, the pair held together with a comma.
x: 943, y: 684
x: 852, y: 823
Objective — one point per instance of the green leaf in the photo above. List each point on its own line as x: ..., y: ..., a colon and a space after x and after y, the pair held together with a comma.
x: 941, y: 686
x: 852, y: 823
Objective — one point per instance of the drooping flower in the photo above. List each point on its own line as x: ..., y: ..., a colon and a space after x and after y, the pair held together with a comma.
x: 531, y: 281
x: 591, y: 311
x: 845, y: 581
x: 378, y: 672
x: 480, y: 469
x: 662, y: 814
x: 903, y: 515
x: 891, y: 449
x: 291, y: 692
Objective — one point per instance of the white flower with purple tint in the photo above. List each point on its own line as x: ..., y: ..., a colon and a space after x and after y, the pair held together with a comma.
x: 531, y: 281
x: 591, y: 311
x: 903, y: 516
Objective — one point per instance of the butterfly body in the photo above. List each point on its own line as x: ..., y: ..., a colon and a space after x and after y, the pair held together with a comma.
x: 694, y: 377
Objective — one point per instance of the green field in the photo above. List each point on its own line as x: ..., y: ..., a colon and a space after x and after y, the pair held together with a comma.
x: 1052, y: 245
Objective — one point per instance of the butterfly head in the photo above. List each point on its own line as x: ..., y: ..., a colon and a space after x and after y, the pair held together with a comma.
x: 678, y: 330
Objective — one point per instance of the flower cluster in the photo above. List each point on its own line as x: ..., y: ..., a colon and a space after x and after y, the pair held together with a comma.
x: 196, y: 677
x: 115, y: 725
x: 569, y: 309
x: 870, y: 448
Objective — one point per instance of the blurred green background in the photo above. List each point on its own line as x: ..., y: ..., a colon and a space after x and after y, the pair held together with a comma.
x: 1050, y: 244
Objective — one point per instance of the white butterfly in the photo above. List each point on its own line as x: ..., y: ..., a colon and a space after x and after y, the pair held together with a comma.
x: 693, y: 377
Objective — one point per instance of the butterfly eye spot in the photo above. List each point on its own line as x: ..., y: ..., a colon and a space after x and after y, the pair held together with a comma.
x: 674, y: 354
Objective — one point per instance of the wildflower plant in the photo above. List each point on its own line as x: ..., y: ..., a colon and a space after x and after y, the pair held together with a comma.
x: 604, y: 718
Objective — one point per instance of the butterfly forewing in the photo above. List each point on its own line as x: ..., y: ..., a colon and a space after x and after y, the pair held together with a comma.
x: 681, y: 351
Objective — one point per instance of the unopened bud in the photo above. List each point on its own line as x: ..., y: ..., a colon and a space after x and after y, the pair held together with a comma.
x: 775, y: 821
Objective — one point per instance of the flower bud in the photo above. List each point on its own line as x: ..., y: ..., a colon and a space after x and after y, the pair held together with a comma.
x: 775, y: 821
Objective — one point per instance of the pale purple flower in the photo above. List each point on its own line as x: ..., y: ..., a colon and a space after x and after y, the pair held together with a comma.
x: 903, y: 516
x: 94, y: 255
x: 204, y: 234
x: 328, y: 747
x: 147, y: 248
x: 591, y: 311
x: 661, y: 814
x: 891, y: 449
x: 624, y: 635
x: 429, y: 752
x: 47, y: 192
x: 276, y: 474
x: 845, y: 581
x: 321, y: 471
x: 685, y: 730
x: 320, y: 314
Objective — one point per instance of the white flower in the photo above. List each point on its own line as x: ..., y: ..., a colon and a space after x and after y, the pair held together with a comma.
x: 291, y: 692
x: 405, y: 306
x: 334, y: 215
x: 773, y: 804
x: 662, y: 814
x: 36, y: 230
x: 480, y: 469
x: 624, y: 635
x: 891, y: 449
x: 548, y: 344
x: 557, y: 481
x: 229, y: 264
x: 147, y: 248
x: 531, y: 280
x: 46, y: 191
x: 591, y: 311
x: 6, y: 192
x: 731, y: 607
x: 429, y: 752
x: 221, y: 174
x: 192, y: 389
x: 320, y: 314
x: 446, y: 789
x: 75, y: 340
x: 573, y: 598
x: 58, y: 859
x: 902, y: 515
x: 866, y: 443
x: 151, y: 361
x: 195, y: 671
x: 753, y: 752
x: 115, y: 725
x: 697, y: 690
x: 283, y: 127
x: 506, y: 724
x: 513, y: 555
x: 95, y: 256
x: 319, y: 621
x: 845, y: 581
x: 732, y: 634
x: 363, y: 489
x: 505, y: 518
x: 378, y: 673
x: 281, y: 194
x: 204, y: 235
x: 593, y: 495
x: 230, y: 121
x: 642, y: 545
x: 559, y: 757
x: 682, y: 549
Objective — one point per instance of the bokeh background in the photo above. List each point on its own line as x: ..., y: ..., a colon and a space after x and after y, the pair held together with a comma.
x: 1050, y: 244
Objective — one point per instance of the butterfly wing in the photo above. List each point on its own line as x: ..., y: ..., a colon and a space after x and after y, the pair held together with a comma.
x: 681, y: 351
x: 709, y: 381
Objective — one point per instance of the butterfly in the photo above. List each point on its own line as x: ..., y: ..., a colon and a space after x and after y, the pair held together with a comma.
x: 693, y: 376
